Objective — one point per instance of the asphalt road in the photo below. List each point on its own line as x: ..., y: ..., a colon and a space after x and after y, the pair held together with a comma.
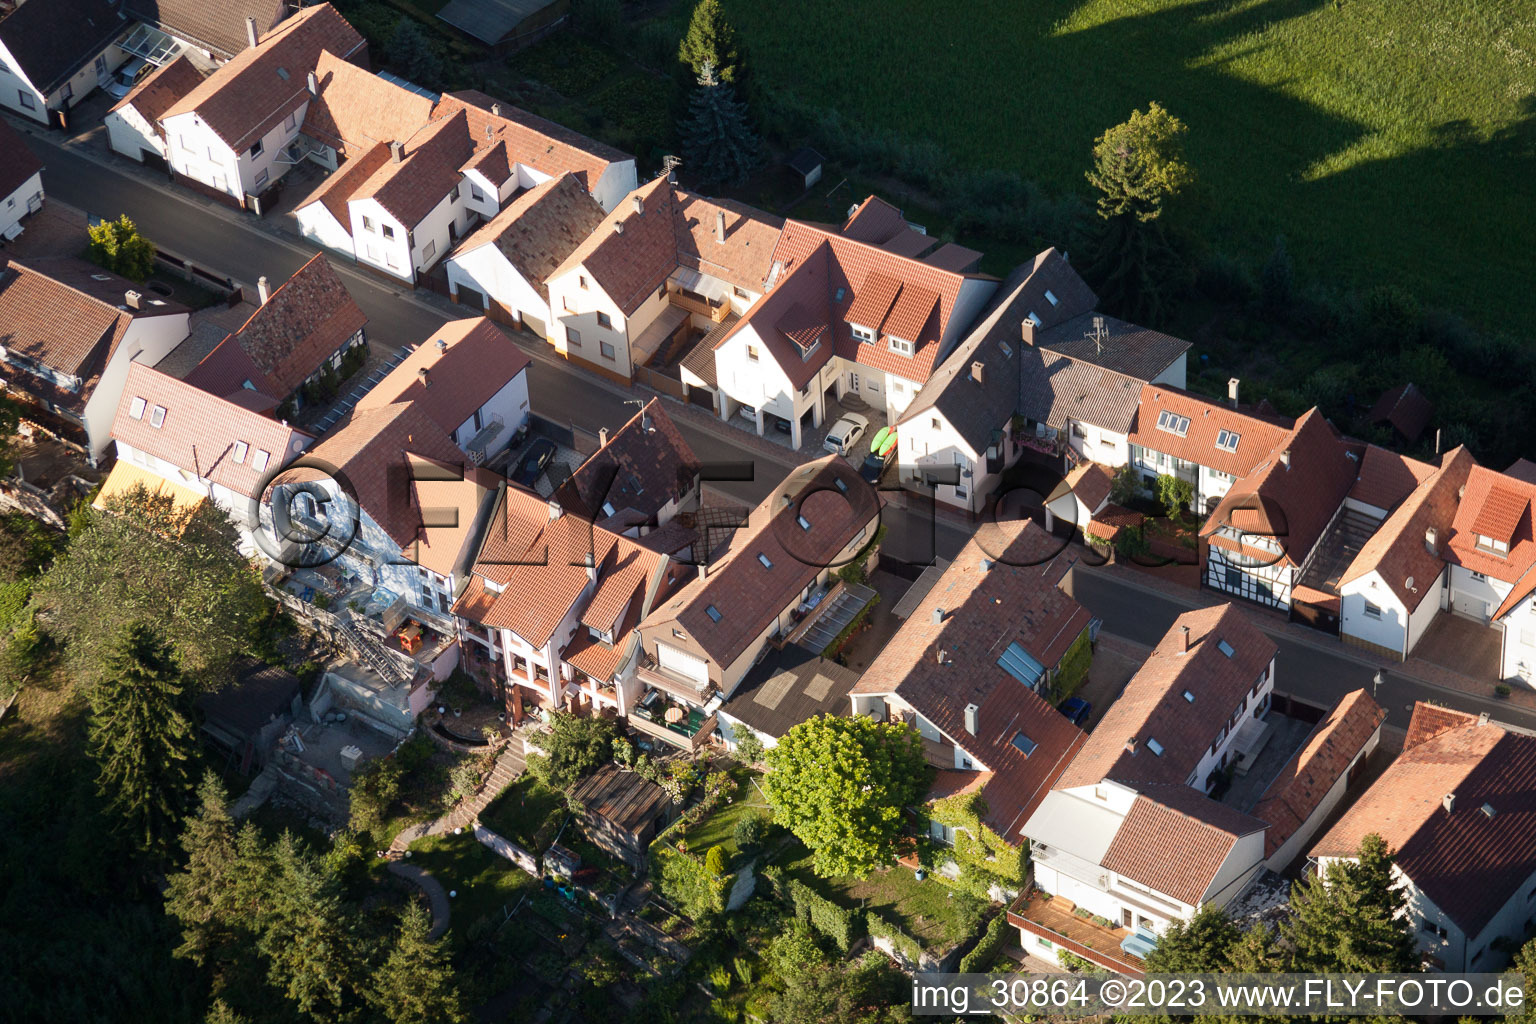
x: 562, y: 393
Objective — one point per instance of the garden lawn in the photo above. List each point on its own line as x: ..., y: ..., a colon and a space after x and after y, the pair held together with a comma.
x: 926, y: 910
x: 1389, y: 140
x: 487, y: 885
x: 720, y: 828
x: 527, y: 812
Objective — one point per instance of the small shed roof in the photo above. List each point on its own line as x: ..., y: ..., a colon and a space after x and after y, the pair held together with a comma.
x: 622, y: 798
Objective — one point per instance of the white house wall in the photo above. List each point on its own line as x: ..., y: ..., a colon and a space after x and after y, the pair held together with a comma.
x: 617, y: 181
x: 1519, y: 647
x: 1243, y: 862
x: 488, y: 271
x: 12, y: 83
x: 972, y: 296
x: 131, y: 135
x: 17, y: 204
x: 148, y: 339
x: 1474, y: 597
x: 1390, y: 628
x: 317, y: 224
x: 391, y: 255
x: 510, y: 404
x: 1173, y: 374
x: 249, y: 169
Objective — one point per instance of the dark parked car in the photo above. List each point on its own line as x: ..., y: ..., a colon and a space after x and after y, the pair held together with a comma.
x: 1077, y: 710
x: 874, y: 465
x: 531, y: 466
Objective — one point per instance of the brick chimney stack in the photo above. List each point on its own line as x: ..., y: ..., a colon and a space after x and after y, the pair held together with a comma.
x: 250, y: 31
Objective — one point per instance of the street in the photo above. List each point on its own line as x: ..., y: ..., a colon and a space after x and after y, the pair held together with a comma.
x: 231, y: 243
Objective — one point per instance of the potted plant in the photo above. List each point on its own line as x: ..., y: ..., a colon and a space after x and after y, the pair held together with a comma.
x: 1502, y: 690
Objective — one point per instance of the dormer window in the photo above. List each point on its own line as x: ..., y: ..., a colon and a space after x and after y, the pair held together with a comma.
x: 136, y: 409
x: 157, y: 417
x: 240, y: 449
x: 901, y: 346
x: 1227, y: 440
x: 863, y: 335
x: 1050, y: 297
x: 1493, y: 544
x: 1173, y: 423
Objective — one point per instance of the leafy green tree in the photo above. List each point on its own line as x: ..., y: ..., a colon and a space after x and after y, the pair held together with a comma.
x: 151, y: 562
x: 575, y: 747
x: 714, y: 860
x: 1124, y: 486
x: 1353, y: 919
x: 1175, y: 494
x: 375, y: 787
x: 202, y: 894
x: 868, y: 991
x: 142, y: 738
x: 1138, y: 166
x: 415, y: 984
x: 10, y: 419
x: 719, y: 144
x: 221, y: 1013
x: 842, y: 784
x: 414, y: 54
x: 26, y: 547
x: 23, y: 648
x: 1524, y: 963
x: 710, y: 42
x: 748, y: 749
x: 118, y: 246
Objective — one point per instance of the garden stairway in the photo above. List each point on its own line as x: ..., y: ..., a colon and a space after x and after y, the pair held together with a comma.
x: 463, y: 814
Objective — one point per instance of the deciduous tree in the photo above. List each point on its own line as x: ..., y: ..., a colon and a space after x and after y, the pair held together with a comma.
x: 842, y: 784
x: 118, y: 246
x: 576, y: 747
x: 1138, y: 166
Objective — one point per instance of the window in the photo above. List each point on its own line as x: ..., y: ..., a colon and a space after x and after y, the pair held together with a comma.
x: 389, y: 232
x: 680, y: 634
x: 934, y: 422
x: 752, y: 352
x: 292, y: 122
x: 1528, y: 636
x: 661, y: 292
x: 740, y: 293
x: 261, y: 179
x: 157, y: 417
x: 256, y: 148
x: 608, y: 351
x: 1478, y: 576
x: 862, y: 334
x: 1023, y: 666
x: 604, y: 320
x: 367, y: 223
x: 1189, y: 696
x: 1023, y: 744
x: 764, y: 559
x: 1498, y: 547
x: 1154, y: 746
x: 1372, y: 611
x: 1034, y: 318
x: 240, y: 449
x: 101, y: 66
x: 805, y: 524
x: 1007, y: 350
x: 475, y: 193
x: 1173, y: 423
x: 712, y: 612
x: 1050, y: 297
x: 901, y: 346
x: 1225, y: 648
x: 136, y: 409
x: 941, y: 832
x: 581, y: 279
x: 427, y: 253
x: 260, y: 459
x: 27, y: 103
x: 842, y: 487
x: 1227, y: 440
x: 572, y: 337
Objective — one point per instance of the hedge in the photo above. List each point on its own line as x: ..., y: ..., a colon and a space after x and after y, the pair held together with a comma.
x: 904, y: 944
x: 1073, y: 668
x: 980, y: 959
x: 836, y: 923
x: 683, y: 879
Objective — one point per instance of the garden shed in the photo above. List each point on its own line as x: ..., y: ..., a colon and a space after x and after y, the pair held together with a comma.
x: 623, y: 812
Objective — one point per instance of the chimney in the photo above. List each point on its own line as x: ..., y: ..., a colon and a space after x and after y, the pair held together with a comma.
x: 263, y: 290
x: 1482, y: 719
x: 250, y: 31
x: 1027, y: 331
x: 972, y: 713
x: 1430, y: 537
x: 1130, y: 746
x: 639, y: 204
x: 555, y: 511
x: 602, y: 436
x: 314, y: 85
x: 1285, y: 458
x: 979, y: 372
x: 720, y: 226
x: 943, y: 656
x: 133, y: 299
x: 424, y: 377
x: 618, y: 227
x: 938, y: 616
x: 1232, y: 391
x: 495, y: 109
x: 396, y: 151
x: 442, y: 345
x: 1184, y: 637
x: 1448, y: 802
x: 591, y: 567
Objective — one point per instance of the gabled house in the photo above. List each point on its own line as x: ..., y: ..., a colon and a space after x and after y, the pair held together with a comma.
x: 551, y: 604
x: 1458, y: 812
x: 133, y: 123
x: 199, y: 443
x: 776, y: 569
x: 639, y: 478
x: 68, y: 332
x: 1405, y: 410
x: 1258, y: 541
x: 972, y: 670
x: 1398, y: 583
x: 230, y: 137
x: 468, y: 378
x: 861, y: 310
x: 53, y: 54
x: 663, y: 266
x: 1491, y: 548
x: 21, y: 182
x: 210, y: 32
x: 503, y: 267
x: 297, y: 334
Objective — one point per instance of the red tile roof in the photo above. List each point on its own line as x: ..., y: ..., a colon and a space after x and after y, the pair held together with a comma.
x: 546, y: 147
x: 202, y: 433
x: 262, y: 85
x: 1470, y: 863
x: 539, y: 229
x: 348, y: 180
x: 1406, y: 409
x: 447, y: 500
x: 1502, y: 512
x: 412, y: 187
x: 1399, y: 549
x: 216, y: 26
x: 645, y: 464
x: 1175, y: 839
x: 1323, y: 759
x: 1153, y: 707
x: 1387, y: 477
x: 1257, y: 437
x: 1488, y: 502
x: 50, y: 323
x: 466, y: 361
x: 159, y: 91
x: 357, y: 109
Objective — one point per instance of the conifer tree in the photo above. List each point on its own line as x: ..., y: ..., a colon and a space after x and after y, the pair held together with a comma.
x: 1353, y: 919
x: 415, y: 984
x: 142, y: 738
x: 303, y: 933
x: 1200, y: 945
x: 710, y: 41
x: 203, y: 895
x: 719, y: 145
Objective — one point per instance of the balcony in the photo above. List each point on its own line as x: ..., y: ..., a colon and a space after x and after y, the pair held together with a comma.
x: 649, y: 716
x: 690, y: 691
x: 1053, y: 918
x: 693, y: 302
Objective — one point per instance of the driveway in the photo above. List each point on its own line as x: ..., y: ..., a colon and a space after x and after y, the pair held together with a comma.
x: 1461, y: 645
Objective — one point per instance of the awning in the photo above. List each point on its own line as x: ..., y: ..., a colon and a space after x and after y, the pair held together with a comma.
x: 152, y: 44
x: 693, y: 281
x: 125, y: 476
x: 1139, y: 943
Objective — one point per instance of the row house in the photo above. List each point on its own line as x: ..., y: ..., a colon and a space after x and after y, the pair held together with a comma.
x: 173, y: 436
x: 863, y: 312
x: 973, y: 669
x: 550, y: 608
x: 662, y: 269
x: 1137, y: 792
x: 773, y: 577
x: 21, y: 182
x: 53, y: 54
x: 1457, y: 808
x: 297, y: 334
x: 133, y: 123
x: 640, y: 478
x: 207, y: 34
x: 72, y: 331
x: 1491, y: 551
x: 419, y: 173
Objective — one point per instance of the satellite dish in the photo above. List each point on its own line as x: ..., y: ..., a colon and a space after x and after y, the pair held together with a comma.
x: 1409, y: 584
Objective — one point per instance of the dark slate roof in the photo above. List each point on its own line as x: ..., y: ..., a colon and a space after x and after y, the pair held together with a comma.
x: 976, y: 409
x: 1406, y: 409
x: 259, y: 692
x: 218, y: 25
x: 622, y: 798
x: 788, y: 687
x: 490, y: 21
x: 1054, y: 388
x: 54, y: 39
x: 1127, y: 348
x: 644, y: 465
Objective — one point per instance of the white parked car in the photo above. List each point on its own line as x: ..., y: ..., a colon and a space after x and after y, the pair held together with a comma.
x: 126, y: 77
x: 845, y: 433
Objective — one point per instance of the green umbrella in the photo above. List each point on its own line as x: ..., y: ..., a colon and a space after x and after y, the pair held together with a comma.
x: 879, y: 439
x: 890, y: 442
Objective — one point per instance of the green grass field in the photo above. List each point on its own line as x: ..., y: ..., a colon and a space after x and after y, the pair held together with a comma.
x: 1387, y: 139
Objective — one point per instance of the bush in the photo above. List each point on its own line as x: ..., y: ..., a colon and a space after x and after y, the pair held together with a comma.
x: 1074, y: 963
x: 118, y: 246
x: 904, y: 944
x: 836, y: 923
x: 720, y: 979
x: 715, y: 862
x: 748, y: 749
x: 749, y: 831
x: 1502, y: 690
x: 982, y: 955
x: 687, y: 884
x: 1175, y: 494
x: 795, y: 953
